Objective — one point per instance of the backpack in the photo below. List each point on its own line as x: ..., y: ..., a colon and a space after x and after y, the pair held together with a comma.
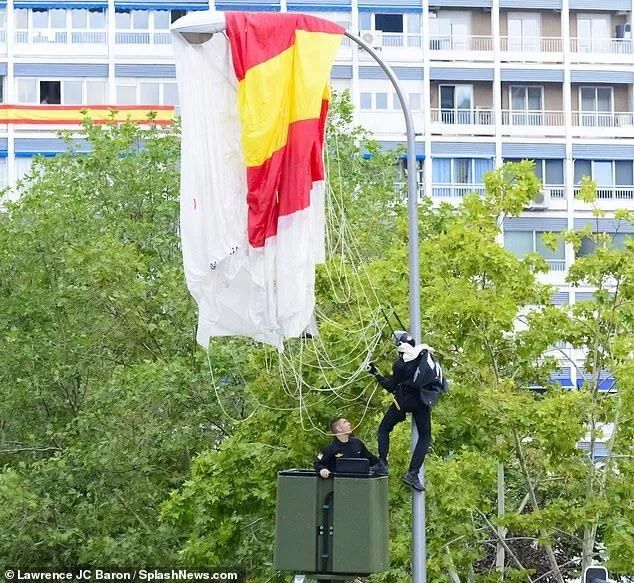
x: 429, y: 379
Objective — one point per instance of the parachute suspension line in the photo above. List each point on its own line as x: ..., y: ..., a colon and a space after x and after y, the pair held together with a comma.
x: 215, y: 386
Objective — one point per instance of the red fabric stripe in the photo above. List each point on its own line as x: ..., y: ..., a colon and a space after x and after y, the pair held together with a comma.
x: 281, y: 186
x: 268, y: 35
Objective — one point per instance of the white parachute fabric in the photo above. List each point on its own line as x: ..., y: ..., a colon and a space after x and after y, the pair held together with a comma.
x: 264, y: 293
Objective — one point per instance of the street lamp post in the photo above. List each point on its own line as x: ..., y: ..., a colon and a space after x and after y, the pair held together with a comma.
x: 201, y: 31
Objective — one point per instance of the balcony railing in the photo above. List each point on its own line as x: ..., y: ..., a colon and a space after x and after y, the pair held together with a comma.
x: 556, y: 264
x: 463, y: 43
x: 143, y: 38
x: 479, y: 116
x: 399, y: 40
x: 532, y: 118
x: 531, y: 44
x: 612, y: 192
x: 60, y: 37
x: 454, y: 191
x: 595, y: 119
x: 614, y: 46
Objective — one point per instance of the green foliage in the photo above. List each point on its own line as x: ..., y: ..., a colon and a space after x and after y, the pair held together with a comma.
x: 123, y: 443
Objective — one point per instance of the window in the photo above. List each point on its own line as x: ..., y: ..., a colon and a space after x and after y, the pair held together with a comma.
x: 527, y: 105
x: 521, y: 243
x: 456, y: 104
x: 122, y: 19
x: 21, y: 18
x: 460, y: 170
x: 596, y: 106
x: 22, y: 167
x: 388, y: 22
x: 126, y: 95
x: 550, y: 172
x: 589, y: 244
x: 381, y: 100
x: 27, y: 91
x: 605, y: 172
x: 170, y: 94
x: 366, y: 100
x: 593, y: 32
x: 3, y: 18
x: 95, y: 92
x: 176, y: 14
x: 524, y: 30
x: 72, y: 93
x: 149, y: 93
x: 162, y: 20
x: 39, y: 18
x: 50, y: 92
x: 451, y: 30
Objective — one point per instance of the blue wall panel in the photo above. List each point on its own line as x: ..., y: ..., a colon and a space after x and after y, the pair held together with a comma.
x: 341, y: 72
x: 162, y: 4
x: 584, y: 296
x: 4, y: 145
x: 461, y: 74
x: 533, y: 4
x: 553, y: 224
x: 550, y: 75
x: 60, y: 4
x: 604, y: 225
x: 390, y: 6
x: 60, y: 70
x: 460, y: 3
x: 602, y: 77
x: 145, y: 71
x: 252, y: 5
x: 561, y: 299
x: 319, y: 5
x: 463, y: 149
x: 612, y: 151
x: 31, y: 146
x: 387, y: 146
x: 603, y: 5
x: 534, y: 151
x: 405, y: 73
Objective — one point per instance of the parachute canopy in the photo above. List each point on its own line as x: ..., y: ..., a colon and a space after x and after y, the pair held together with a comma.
x: 253, y: 110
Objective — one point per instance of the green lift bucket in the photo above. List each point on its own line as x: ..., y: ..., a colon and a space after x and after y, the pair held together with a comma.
x: 337, y: 526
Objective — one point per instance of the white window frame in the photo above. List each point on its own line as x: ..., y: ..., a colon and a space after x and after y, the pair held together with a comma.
x: 526, y: 43
x: 596, y: 118
x: 161, y: 82
x: 454, y: 115
x: 62, y: 81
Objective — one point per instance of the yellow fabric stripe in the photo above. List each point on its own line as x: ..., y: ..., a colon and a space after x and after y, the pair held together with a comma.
x: 285, y: 89
x: 73, y: 116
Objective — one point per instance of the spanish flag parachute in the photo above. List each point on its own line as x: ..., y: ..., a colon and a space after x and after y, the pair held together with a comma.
x: 253, y: 111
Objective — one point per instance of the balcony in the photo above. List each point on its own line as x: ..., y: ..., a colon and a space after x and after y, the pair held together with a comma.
x: 538, y: 123
x: 455, y: 192
x: 531, y: 49
x: 146, y: 43
x: 479, y: 121
x: 388, y: 122
x: 466, y: 48
x: 42, y: 42
x: 393, y: 45
x: 609, y: 198
x: 600, y: 124
x: 601, y: 50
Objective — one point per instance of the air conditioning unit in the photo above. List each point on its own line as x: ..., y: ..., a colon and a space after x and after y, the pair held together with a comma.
x: 540, y: 201
x: 372, y: 37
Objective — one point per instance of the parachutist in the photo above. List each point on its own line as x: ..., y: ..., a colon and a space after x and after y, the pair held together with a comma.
x: 407, y: 400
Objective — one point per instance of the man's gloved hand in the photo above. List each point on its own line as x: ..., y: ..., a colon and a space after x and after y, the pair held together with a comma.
x: 371, y: 368
x: 324, y: 473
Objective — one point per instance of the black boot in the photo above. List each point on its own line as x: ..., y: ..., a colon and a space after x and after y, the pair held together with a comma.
x: 411, y: 479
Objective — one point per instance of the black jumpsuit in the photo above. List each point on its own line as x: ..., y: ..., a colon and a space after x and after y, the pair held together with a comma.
x: 409, y: 402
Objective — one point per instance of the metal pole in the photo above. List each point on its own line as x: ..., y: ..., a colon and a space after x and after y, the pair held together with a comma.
x: 419, y: 570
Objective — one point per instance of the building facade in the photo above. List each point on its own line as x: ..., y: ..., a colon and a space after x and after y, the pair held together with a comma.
x: 488, y: 81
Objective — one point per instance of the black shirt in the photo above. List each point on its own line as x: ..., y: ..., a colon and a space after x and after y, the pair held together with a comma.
x: 407, y: 397
x: 354, y: 447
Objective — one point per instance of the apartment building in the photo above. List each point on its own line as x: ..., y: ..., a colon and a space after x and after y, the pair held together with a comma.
x: 488, y: 81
